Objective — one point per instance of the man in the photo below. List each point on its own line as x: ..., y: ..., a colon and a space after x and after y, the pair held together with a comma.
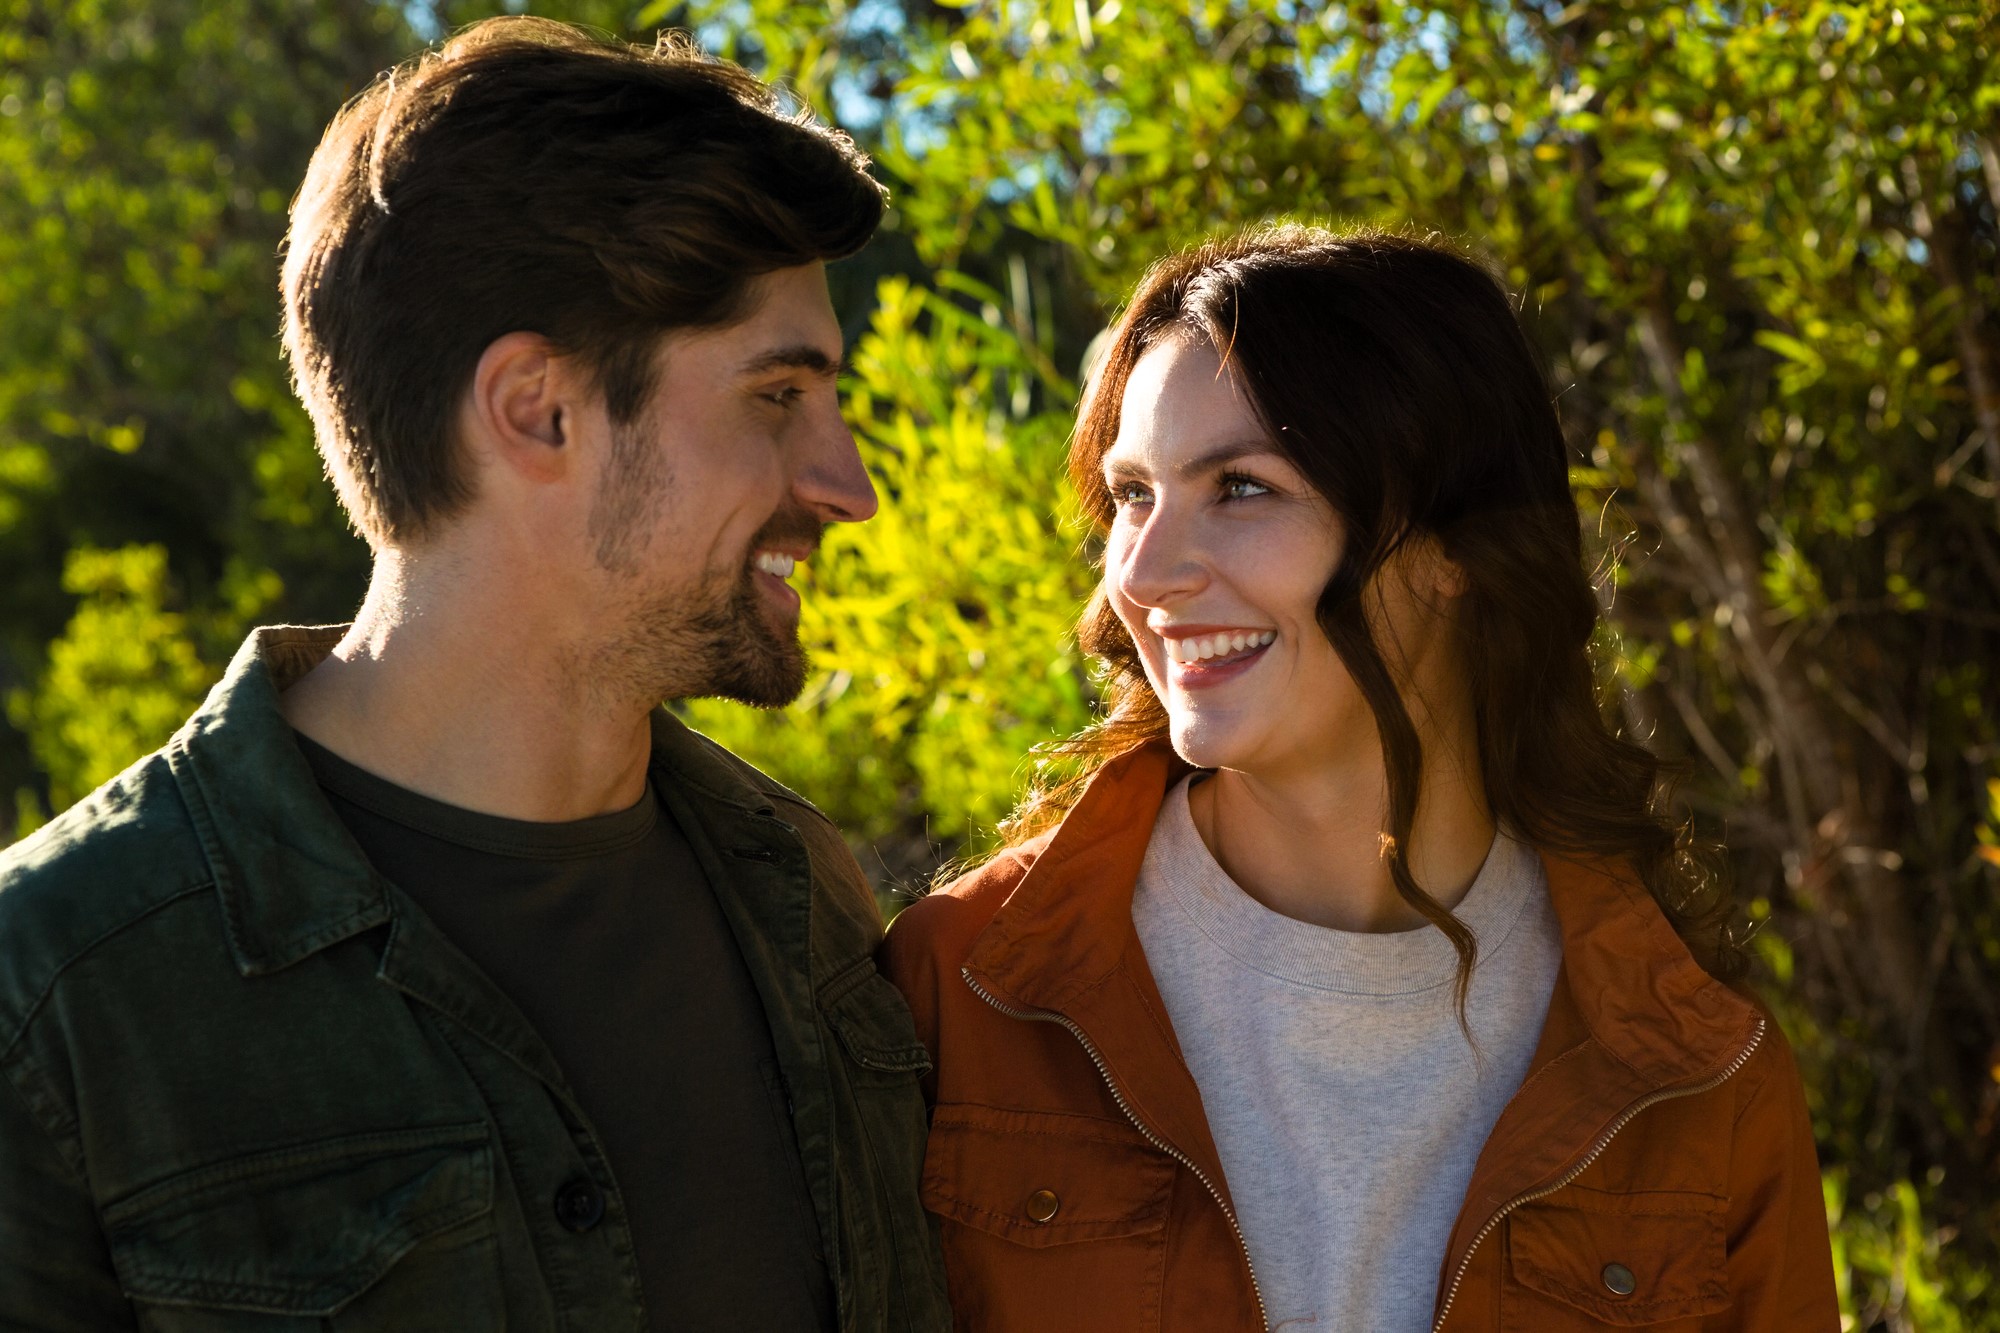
x: 433, y: 977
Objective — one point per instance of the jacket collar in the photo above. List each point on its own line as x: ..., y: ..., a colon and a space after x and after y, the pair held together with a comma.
x: 1633, y: 1011
x: 291, y: 879
x: 1068, y: 923
x: 693, y: 762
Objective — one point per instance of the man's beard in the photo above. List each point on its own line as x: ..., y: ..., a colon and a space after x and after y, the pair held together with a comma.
x: 734, y: 649
x: 712, y: 639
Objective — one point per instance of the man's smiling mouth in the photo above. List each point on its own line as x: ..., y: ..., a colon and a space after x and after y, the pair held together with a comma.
x: 772, y: 571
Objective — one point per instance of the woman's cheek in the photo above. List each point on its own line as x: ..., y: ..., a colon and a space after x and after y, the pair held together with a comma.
x: 1133, y: 618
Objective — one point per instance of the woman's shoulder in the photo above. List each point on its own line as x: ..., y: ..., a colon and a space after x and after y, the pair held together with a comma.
x: 1769, y: 1088
x: 951, y: 915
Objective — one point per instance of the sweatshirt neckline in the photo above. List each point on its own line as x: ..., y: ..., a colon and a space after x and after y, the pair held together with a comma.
x: 1179, y: 864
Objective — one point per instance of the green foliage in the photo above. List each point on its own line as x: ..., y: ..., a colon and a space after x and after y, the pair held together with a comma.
x: 1758, y: 245
x: 1989, y: 833
x: 124, y: 674
x: 942, y: 629
x: 147, y: 156
x: 1887, y: 1256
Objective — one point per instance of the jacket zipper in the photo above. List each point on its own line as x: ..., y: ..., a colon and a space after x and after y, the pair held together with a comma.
x: 1104, y: 1072
x: 1596, y: 1151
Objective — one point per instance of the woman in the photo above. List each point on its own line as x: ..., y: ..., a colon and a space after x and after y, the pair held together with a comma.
x: 1358, y: 983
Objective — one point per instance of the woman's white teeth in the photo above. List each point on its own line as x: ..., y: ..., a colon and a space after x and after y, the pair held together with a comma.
x: 1218, y: 645
x: 771, y: 562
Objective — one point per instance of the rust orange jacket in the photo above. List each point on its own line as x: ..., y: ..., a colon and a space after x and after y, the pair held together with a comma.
x: 1660, y: 1129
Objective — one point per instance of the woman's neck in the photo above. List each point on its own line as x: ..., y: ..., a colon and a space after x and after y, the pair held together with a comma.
x: 1311, y: 846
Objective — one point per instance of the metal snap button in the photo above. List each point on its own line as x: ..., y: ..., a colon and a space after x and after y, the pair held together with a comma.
x: 580, y: 1205
x: 1618, y: 1279
x: 1042, y: 1205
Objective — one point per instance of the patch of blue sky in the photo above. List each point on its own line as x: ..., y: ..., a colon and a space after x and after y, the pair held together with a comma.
x: 718, y: 26
x: 1320, y: 68
x: 423, y: 20
x: 1519, y: 37
x: 1435, y: 37
x: 1022, y: 182
x: 876, y: 26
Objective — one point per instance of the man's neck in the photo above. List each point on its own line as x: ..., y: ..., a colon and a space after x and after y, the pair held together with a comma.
x: 455, y: 687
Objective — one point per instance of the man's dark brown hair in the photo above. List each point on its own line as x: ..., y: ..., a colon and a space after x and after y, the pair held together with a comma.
x: 528, y: 176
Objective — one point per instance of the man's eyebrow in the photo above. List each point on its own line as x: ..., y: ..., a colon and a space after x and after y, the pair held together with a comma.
x: 798, y: 356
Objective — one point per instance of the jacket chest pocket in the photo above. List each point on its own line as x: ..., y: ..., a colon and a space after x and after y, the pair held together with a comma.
x: 1050, y: 1221
x: 888, y: 1255
x: 1586, y: 1260
x: 369, y: 1232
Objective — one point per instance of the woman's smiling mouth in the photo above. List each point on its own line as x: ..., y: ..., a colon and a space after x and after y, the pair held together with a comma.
x: 1213, y: 656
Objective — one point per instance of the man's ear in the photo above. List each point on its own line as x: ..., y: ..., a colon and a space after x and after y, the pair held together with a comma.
x: 523, y: 407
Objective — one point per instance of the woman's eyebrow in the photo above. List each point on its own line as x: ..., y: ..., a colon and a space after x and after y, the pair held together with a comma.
x: 1221, y: 456
x: 1118, y: 469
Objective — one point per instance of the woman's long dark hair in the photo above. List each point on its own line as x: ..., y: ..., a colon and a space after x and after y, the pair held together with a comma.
x: 1393, y: 374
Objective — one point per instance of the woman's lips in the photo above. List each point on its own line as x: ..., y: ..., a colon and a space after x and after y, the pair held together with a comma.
x: 1214, y: 670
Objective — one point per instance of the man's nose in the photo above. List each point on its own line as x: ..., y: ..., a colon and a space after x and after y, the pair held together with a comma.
x: 831, y: 480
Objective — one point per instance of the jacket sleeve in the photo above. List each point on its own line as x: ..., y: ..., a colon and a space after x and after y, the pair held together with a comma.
x: 55, y: 1270
x: 1780, y: 1257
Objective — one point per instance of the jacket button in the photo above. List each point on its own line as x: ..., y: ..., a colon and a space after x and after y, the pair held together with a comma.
x: 1619, y: 1280
x: 580, y: 1205
x: 1042, y: 1205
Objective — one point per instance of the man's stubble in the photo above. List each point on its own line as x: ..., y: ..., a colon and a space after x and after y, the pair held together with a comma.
x: 713, y: 638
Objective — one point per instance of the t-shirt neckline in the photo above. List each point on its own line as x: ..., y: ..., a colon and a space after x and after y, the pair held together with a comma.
x: 527, y: 839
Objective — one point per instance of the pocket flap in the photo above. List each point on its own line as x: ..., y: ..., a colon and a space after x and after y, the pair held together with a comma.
x: 1666, y: 1247
x: 300, y: 1230
x: 868, y: 1015
x: 1041, y: 1179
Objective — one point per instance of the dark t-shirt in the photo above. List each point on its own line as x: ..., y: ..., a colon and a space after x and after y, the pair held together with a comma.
x: 606, y: 934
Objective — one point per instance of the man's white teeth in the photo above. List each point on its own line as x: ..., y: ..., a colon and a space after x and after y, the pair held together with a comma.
x: 771, y: 562
x: 1218, y: 645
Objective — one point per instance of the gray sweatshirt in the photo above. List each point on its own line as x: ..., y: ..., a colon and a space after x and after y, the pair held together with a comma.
x: 1346, y: 1105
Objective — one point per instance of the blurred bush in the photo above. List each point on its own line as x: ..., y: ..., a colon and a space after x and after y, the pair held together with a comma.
x: 1759, y: 246
x: 156, y: 475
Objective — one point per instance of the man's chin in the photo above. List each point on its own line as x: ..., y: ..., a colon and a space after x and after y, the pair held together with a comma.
x: 773, y: 695
x: 740, y: 651
x: 771, y: 679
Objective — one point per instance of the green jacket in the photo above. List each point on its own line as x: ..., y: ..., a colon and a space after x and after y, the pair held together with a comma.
x: 246, y: 1085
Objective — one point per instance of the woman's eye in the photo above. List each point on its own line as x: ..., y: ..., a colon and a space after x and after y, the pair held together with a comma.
x: 1236, y: 487
x: 1129, y: 493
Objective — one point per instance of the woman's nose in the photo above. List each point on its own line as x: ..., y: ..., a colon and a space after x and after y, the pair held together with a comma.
x: 1155, y: 562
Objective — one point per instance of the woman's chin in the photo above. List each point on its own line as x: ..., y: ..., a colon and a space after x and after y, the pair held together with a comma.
x: 1210, y: 743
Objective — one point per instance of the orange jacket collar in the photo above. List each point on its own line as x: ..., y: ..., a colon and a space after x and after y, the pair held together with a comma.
x: 1068, y: 925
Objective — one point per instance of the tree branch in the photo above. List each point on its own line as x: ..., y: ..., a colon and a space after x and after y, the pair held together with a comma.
x: 1947, y: 235
x: 1806, y: 746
